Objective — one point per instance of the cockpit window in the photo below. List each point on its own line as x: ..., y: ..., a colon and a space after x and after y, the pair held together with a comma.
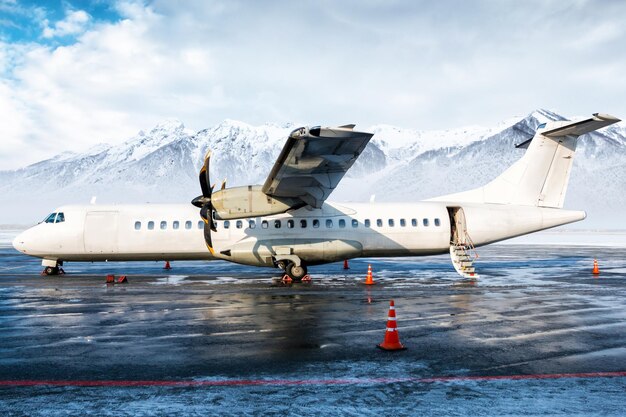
x: 60, y: 218
x: 541, y: 126
x: 50, y: 218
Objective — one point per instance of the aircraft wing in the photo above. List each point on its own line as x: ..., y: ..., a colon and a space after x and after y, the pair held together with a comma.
x: 313, y: 161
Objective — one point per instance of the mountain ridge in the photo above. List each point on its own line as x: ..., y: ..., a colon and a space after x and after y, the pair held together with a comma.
x: 161, y: 165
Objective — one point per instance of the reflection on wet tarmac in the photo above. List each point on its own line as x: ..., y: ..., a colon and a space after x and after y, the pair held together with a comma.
x: 532, y: 312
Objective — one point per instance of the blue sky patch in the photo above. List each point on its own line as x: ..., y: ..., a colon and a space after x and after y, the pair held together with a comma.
x: 25, y: 21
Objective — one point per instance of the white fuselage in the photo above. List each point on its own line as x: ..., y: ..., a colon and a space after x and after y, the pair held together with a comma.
x: 334, y: 232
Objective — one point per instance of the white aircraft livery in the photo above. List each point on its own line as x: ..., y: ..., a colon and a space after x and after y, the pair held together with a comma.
x: 287, y: 223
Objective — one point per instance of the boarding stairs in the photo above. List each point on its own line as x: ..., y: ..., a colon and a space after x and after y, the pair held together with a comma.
x: 463, y: 258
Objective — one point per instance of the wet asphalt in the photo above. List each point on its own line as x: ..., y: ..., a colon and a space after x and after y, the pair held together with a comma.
x: 537, y: 334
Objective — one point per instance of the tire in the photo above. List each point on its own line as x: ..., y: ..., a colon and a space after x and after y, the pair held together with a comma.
x: 51, y: 270
x: 296, y: 273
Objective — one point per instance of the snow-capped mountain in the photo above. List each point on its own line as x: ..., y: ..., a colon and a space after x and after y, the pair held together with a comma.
x: 398, y: 165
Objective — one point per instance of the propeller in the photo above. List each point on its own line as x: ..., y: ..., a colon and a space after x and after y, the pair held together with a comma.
x: 204, y: 202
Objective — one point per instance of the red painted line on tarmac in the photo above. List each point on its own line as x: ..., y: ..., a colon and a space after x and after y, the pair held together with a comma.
x: 295, y: 382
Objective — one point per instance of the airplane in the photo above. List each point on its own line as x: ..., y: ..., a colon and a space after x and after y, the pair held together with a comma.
x: 287, y: 223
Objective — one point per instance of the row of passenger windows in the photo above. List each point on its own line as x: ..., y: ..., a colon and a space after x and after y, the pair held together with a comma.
x: 291, y: 223
x: 175, y: 225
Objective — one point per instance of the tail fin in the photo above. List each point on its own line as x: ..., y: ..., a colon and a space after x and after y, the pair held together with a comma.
x: 541, y: 176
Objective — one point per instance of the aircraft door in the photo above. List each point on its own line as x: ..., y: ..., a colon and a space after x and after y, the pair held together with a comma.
x: 100, y: 232
x: 458, y: 227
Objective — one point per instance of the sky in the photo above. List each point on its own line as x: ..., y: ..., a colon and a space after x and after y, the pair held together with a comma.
x: 77, y: 73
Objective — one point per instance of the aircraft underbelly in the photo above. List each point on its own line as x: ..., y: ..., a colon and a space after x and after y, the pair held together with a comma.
x: 312, y: 251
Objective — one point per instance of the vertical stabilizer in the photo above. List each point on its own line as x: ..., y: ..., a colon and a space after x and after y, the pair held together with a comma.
x: 541, y: 176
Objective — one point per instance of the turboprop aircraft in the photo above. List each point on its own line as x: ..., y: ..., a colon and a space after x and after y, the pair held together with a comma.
x: 287, y: 223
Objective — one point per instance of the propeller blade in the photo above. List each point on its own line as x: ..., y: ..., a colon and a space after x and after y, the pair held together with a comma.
x: 207, y: 237
x: 204, y: 202
x: 205, y: 183
x: 223, y: 184
x: 204, y: 212
x: 209, y: 225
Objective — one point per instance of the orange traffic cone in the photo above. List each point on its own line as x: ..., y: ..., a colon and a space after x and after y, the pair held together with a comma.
x: 596, y: 270
x: 369, y: 278
x: 122, y: 280
x: 167, y: 265
x: 110, y: 279
x: 392, y: 339
x: 345, y: 264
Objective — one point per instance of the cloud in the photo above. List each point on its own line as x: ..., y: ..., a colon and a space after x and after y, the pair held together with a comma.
x: 75, y: 22
x: 421, y: 65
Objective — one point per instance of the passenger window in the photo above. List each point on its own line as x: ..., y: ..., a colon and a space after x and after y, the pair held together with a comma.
x: 163, y: 225
x: 437, y: 222
x: 277, y: 224
x: 188, y: 224
x: 137, y: 225
x: 316, y: 223
x: 329, y: 223
x: 414, y: 222
x: 425, y: 222
x: 264, y: 224
x: 367, y: 223
x: 391, y: 223
x: 226, y: 224
x: 290, y: 224
x: 303, y: 224
x: 355, y: 223
x: 60, y: 218
x: 239, y: 224
x: 402, y: 223
x: 342, y: 223
x: 150, y: 225
x: 251, y: 224
x: 50, y: 218
x: 175, y: 224
x: 379, y: 223
x: 201, y: 224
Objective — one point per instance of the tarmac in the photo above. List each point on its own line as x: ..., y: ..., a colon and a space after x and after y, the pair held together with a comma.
x: 537, y: 334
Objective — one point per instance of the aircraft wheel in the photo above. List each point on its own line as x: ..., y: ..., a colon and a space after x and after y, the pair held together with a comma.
x: 51, y: 270
x: 296, y: 273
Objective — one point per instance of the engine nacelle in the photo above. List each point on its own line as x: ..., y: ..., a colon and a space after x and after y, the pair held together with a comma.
x: 249, y: 201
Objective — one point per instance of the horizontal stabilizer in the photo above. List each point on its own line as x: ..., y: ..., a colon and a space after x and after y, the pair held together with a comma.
x: 581, y: 127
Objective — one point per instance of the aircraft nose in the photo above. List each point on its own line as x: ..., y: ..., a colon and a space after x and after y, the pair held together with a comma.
x: 19, y: 243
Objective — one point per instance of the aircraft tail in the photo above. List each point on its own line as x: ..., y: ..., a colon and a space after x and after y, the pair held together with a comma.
x: 541, y: 176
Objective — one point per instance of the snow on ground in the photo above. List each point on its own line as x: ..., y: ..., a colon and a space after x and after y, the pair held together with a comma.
x: 567, y: 237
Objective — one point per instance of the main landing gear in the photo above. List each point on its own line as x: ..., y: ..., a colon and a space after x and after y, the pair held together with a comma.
x: 293, y: 267
x: 295, y: 272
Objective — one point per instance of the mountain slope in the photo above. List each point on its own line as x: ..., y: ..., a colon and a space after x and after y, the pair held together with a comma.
x: 398, y: 165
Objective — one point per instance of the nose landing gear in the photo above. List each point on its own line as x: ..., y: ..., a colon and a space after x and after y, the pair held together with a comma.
x: 52, y: 268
